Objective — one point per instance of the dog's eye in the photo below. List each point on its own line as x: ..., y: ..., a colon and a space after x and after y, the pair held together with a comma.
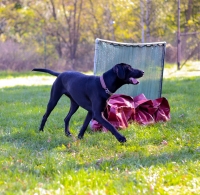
x: 130, y: 68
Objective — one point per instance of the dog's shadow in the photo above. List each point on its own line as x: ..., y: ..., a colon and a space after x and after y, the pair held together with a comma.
x: 33, y: 140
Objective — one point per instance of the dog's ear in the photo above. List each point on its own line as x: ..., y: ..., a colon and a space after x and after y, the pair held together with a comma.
x: 119, y: 70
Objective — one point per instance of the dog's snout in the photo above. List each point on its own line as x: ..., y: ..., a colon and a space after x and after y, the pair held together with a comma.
x: 142, y: 72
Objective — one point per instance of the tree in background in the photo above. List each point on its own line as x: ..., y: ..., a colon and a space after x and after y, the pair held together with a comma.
x: 62, y: 32
x: 190, y: 14
x: 62, y: 23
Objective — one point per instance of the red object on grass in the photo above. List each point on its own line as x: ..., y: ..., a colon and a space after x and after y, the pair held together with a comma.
x: 121, y: 109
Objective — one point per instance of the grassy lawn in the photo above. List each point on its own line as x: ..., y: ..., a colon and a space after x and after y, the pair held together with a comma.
x: 163, y: 158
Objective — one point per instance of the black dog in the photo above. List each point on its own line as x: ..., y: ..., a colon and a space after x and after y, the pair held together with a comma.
x: 89, y: 92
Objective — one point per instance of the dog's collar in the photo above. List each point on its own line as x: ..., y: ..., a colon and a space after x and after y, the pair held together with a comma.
x: 104, y: 85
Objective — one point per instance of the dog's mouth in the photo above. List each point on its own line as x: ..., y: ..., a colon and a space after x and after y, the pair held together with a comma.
x: 134, y: 81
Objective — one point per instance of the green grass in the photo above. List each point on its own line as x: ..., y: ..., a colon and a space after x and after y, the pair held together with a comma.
x: 11, y: 74
x: 50, y: 163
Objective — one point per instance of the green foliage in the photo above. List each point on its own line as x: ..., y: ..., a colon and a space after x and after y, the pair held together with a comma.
x: 158, y: 159
x: 118, y: 20
x: 63, y: 31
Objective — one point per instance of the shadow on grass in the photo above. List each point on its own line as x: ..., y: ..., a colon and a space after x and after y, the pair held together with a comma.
x: 135, y: 160
x: 39, y: 142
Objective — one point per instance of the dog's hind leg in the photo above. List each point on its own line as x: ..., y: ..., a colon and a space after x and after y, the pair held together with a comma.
x: 85, y: 125
x: 73, y: 108
x: 55, y: 96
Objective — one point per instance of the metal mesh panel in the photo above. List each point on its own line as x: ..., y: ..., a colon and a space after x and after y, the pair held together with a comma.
x: 148, y: 57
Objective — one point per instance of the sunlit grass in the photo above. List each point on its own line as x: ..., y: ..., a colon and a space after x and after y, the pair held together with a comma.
x: 189, y: 69
x: 158, y: 159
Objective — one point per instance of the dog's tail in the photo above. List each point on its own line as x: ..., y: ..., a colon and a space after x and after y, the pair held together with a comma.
x: 46, y: 71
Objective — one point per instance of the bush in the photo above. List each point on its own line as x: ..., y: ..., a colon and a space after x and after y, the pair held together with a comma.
x: 17, y: 57
x: 171, y: 54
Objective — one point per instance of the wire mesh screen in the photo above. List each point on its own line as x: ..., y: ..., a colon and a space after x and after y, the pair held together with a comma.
x: 148, y: 57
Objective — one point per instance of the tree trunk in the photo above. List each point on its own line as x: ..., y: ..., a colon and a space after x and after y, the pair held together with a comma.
x: 147, y: 21
x: 188, y: 13
x: 142, y: 20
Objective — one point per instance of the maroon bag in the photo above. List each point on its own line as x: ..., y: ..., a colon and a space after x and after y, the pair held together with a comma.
x: 121, y: 109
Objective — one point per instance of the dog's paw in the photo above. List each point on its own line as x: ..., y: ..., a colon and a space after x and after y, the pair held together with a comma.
x: 68, y: 134
x: 80, y: 136
x: 121, y: 139
x: 41, y: 128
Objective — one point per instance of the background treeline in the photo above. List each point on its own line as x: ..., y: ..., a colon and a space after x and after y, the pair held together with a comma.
x: 60, y: 34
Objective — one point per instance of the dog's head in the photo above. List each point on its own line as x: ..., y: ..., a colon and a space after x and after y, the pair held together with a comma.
x: 128, y: 74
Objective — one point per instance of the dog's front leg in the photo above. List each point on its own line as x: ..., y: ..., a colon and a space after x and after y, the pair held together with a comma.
x: 101, y: 119
x: 85, y: 125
